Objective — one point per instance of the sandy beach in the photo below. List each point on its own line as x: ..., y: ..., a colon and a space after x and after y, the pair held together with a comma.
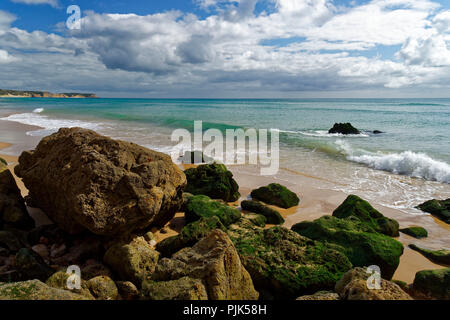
x: 315, y: 202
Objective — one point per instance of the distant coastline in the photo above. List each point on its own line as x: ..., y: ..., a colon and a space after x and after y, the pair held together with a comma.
x: 43, y: 94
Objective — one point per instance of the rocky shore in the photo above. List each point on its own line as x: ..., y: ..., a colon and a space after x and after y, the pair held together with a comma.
x: 111, y: 202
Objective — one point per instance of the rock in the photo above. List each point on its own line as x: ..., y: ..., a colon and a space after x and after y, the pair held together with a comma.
x: 438, y: 208
x: 13, y: 212
x: 52, y: 232
x: 132, y: 262
x: 57, y: 251
x: 149, y: 236
x: 344, y: 128
x: 361, y: 209
x: 416, y: 232
x: 277, y: 195
x: 59, y: 280
x: 10, y: 241
x: 93, y: 268
x: 272, y: 216
x: 377, y: 132
x: 83, y: 248
x: 180, y: 289
x: 212, y: 180
x: 257, y: 219
x: 3, y: 164
x: 109, y: 187
x: 437, y: 256
x: 127, y: 290
x: 353, y: 286
x: 35, y: 290
x: 192, y: 157
x: 433, y: 284
x: 42, y: 250
x: 285, y: 265
x: 321, y: 295
x: 30, y: 265
x: 9, y: 276
x: 215, y: 261
x: 103, y: 288
x: 189, y: 235
x: 202, y: 206
x: 359, y: 242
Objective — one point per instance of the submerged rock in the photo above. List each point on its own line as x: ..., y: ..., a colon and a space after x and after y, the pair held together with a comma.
x: 344, y: 128
x: 272, y: 216
x: 35, y: 290
x: 202, y: 206
x: 433, y: 284
x: 83, y: 180
x: 212, y: 180
x: 359, y: 242
x: 438, y: 208
x: 277, y: 195
x: 361, y: 209
x: 180, y: 289
x: 437, y: 256
x: 416, y: 232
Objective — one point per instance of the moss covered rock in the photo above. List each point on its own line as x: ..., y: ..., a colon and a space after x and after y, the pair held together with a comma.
x: 437, y: 256
x: 103, y: 288
x: 202, y: 206
x: 213, y: 180
x: 433, y: 283
x: 344, y: 128
x: 35, y: 290
x: 438, y: 208
x: 416, y: 232
x: 127, y: 290
x: 3, y: 164
x: 185, y: 288
x: 59, y: 280
x: 321, y: 295
x: 285, y: 265
x: 359, y: 242
x: 257, y: 219
x: 361, y: 209
x: 272, y: 216
x: 277, y: 195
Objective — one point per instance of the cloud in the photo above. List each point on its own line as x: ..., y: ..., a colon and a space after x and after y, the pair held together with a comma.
x: 53, y: 3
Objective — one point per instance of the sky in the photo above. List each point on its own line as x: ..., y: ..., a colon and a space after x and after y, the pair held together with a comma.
x: 228, y: 48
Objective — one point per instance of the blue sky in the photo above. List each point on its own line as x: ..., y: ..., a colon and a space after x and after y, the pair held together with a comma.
x: 227, y: 48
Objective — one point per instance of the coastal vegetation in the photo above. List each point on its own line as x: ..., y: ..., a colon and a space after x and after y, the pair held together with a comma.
x: 43, y: 94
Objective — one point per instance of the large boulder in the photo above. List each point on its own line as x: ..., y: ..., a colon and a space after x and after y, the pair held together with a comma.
x: 361, y: 209
x: 344, y: 128
x: 83, y: 180
x: 13, y: 212
x: 277, y: 195
x: 213, y: 180
x: 437, y: 256
x: 433, y: 284
x: 215, y: 261
x: 180, y: 289
x: 362, y: 245
x: 202, y: 206
x: 285, y: 265
x: 35, y: 290
x: 272, y: 216
x: 438, y: 208
x: 353, y: 286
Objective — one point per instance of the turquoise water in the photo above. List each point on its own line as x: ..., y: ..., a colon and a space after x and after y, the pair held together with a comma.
x: 415, y: 144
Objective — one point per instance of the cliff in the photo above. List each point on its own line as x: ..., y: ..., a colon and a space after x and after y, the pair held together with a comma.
x: 43, y: 94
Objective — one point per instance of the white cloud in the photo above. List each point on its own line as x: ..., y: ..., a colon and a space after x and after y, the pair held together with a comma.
x: 53, y: 3
x: 5, y: 57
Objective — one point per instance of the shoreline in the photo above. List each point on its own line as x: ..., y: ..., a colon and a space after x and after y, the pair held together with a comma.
x: 316, y: 201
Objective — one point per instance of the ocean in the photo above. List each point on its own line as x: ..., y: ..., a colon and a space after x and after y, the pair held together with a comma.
x: 405, y: 165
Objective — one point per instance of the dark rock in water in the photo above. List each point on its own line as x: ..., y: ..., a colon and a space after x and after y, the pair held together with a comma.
x: 277, y: 195
x: 377, y: 132
x: 202, y: 206
x: 83, y: 180
x: 193, y: 157
x: 189, y: 235
x: 13, y: 212
x: 30, y: 265
x: 272, y: 216
x: 344, y: 128
x: 359, y: 242
x: 212, y: 180
x: 353, y: 286
x: 438, y: 208
x: 184, y: 288
x: 215, y: 261
x: 416, y: 232
x: 286, y: 265
x: 437, y: 256
x: 361, y: 209
x: 433, y: 284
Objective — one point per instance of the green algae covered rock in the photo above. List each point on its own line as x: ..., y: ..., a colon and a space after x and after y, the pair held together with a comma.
x: 35, y: 290
x: 103, y: 288
x: 213, y: 180
x: 257, y: 219
x: 286, y: 265
x: 59, y: 281
x: 362, y: 245
x: 438, y: 208
x: 3, y: 163
x: 202, y: 206
x: 272, y: 216
x: 344, y: 128
x: 433, y: 284
x: 189, y: 235
x: 184, y: 288
x: 277, y: 195
x: 437, y: 256
x: 416, y: 232
x: 361, y: 209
